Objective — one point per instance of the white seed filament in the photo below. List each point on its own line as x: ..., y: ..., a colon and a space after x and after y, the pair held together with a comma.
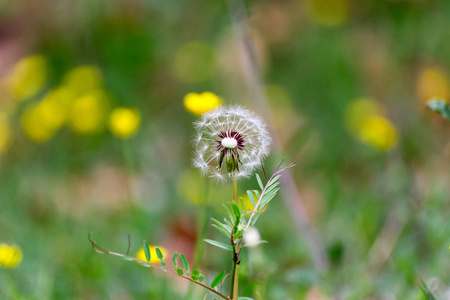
x: 229, y: 143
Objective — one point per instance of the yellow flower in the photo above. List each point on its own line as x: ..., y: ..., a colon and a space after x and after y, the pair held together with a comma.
x: 153, y: 257
x: 124, y: 122
x: 10, y: 256
x: 88, y: 113
x: 433, y: 83
x: 195, y: 62
x: 329, y: 12
x: 28, y: 77
x: 365, y: 122
x: 198, y: 104
x: 5, y: 132
x: 378, y: 132
x: 84, y: 79
x: 41, y: 121
x: 358, y: 111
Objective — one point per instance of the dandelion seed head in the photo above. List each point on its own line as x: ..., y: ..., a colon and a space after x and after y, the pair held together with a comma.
x: 230, y: 142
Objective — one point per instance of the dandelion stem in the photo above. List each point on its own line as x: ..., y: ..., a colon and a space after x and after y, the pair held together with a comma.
x: 235, y: 271
x: 235, y: 191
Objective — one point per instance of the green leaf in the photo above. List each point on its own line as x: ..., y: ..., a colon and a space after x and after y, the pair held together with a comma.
x: 218, y: 279
x: 261, y: 185
x: 223, y: 226
x: 245, y: 298
x: 146, y: 251
x: 180, y: 271
x: 237, y: 213
x: 219, y: 244
x: 201, y: 278
x: 195, y: 274
x: 221, y: 230
x: 160, y: 256
x: 272, y: 187
x: 185, y: 263
x: 174, y: 260
x: 275, y: 179
x: 126, y: 257
x: 241, y: 201
x: 251, y: 196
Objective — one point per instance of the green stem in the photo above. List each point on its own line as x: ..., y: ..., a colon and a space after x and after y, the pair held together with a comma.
x: 235, y: 191
x: 235, y: 271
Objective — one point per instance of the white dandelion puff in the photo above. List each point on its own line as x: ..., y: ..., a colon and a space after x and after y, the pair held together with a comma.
x: 230, y: 142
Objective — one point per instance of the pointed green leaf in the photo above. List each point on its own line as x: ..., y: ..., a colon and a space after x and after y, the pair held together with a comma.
x: 251, y: 196
x: 160, y: 257
x: 221, y: 230
x: 159, y: 254
x: 146, y: 251
x: 236, y: 212
x: 219, y: 244
x: 218, y: 279
x: 225, y: 227
x: 185, y: 263
x: 272, y: 187
x: 180, y: 271
x: 261, y: 185
x: 275, y: 179
x: 174, y: 260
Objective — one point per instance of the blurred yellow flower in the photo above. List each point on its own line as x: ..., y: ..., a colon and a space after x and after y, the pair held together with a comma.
x: 153, y: 257
x: 198, y: 104
x: 365, y: 122
x: 358, y: 111
x: 433, y: 83
x: 42, y: 120
x: 10, y: 256
x: 328, y: 12
x: 88, y: 113
x: 195, y: 62
x: 379, y: 132
x: 5, y: 132
x: 28, y: 77
x: 84, y: 79
x: 34, y: 126
x: 124, y: 122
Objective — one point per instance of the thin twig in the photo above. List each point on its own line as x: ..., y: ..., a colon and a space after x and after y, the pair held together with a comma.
x: 100, y: 250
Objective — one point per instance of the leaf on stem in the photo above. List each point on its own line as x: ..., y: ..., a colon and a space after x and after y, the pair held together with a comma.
x: 219, y: 244
x: 174, y: 261
x: 218, y: 279
x: 146, y: 250
x: 185, y: 264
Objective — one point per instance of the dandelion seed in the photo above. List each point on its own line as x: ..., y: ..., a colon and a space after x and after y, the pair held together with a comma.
x: 230, y: 142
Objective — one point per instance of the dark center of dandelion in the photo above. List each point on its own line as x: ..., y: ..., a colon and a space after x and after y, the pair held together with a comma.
x: 228, y: 145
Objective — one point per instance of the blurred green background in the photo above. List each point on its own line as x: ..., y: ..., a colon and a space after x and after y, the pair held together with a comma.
x: 95, y: 135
